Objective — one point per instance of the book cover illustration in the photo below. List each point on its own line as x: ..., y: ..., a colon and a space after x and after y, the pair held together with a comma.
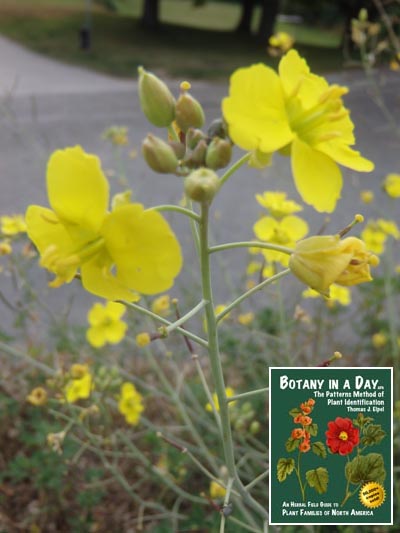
x: 330, y: 445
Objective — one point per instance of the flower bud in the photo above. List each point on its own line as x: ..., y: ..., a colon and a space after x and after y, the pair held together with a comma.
x: 178, y: 148
x: 188, y: 111
x: 201, y: 185
x: 219, y: 153
x: 159, y: 155
x: 325, y: 259
x: 193, y: 137
x: 198, y: 156
x: 156, y: 100
x: 217, y: 129
x: 255, y: 427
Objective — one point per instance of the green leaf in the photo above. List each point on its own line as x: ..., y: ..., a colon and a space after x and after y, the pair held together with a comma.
x: 319, y: 449
x: 312, y: 429
x: 318, y: 479
x: 292, y: 444
x: 366, y: 468
x: 284, y: 468
x: 294, y: 412
x: 373, y: 434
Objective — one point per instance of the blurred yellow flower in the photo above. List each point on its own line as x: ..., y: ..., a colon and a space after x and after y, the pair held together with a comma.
x: 161, y: 305
x: 376, y: 233
x: 78, y: 370
x: 229, y: 393
x: 299, y: 113
x: 282, y: 41
x: 119, y: 254
x: 284, y: 232
x: 217, y: 491
x: 79, y: 388
x: 37, y: 396
x: 143, y: 339
x: 337, y: 294
x: 277, y: 204
x: 367, y: 196
x: 379, y: 340
x: 5, y: 247
x: 106, y: 324
x: 117, y: 135
x: 130, y: 403
x: 12, y: 225
x: 246, y: 318
x: 391, y: 185
x: 322, y: 260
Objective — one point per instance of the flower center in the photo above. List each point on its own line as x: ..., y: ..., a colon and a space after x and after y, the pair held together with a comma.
x: 343, y: 435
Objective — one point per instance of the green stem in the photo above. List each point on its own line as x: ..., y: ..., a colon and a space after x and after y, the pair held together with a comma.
x: 25, y: 357
x: 247, y: 394
x: 177, y: 209
x: 251, y: 244
x: 172, y: 133
x: 298, y: 473
x: 226, y: 502
x: 233, y: 169
x: 185, y: 317
x: 251, y: 291
x: 206, y: 388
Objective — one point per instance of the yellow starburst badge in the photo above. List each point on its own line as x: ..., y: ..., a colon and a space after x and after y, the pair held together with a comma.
x: 372, y: 494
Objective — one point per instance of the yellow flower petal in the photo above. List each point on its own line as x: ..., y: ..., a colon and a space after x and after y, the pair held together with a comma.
x: 346, y: 156
x: 72, y: 170
x: 317, y: 177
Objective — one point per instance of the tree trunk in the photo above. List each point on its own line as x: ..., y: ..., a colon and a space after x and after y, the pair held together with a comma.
x: 270, y: 10
x: 150, y: 15
x: 246, y: 15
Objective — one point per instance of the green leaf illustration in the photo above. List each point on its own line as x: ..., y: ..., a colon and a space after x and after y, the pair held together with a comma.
x: 312, y: 429
x: 292, y: 444
x: 373, y: 434
x: 284, y: 468
x: 318, y: 479
x: 319, y: 449
x: 366, y: 468
x: 295, y: 411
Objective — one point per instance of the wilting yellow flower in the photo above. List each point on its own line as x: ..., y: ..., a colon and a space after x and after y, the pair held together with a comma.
x: 79, y: 389
x: 281, y: 40
x: 143, y: 339
x: 391, y: 185
x: 246, y: 318
x: 277, y: 204
x: 5, y: 247
x: 217, y: 491
x: 322, y: 260
x: 379, y: 340
x: 367, y: 196
x: 161, y: 305
x: 106, y: 324
x: 337, y: 294
x: 300, y: 114
x: 229, y: 393
x: 130, y: 403
x: 12, y: 225
x: 37, y: 396
x: 284, y: 232
x: 119, y: 254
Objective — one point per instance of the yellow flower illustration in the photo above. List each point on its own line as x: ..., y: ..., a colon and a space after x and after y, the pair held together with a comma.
x: 284, y: 232
x: 79, y: 388
x: 391, y: 185
x: 229, y: 393
x: 322, y: 260
x: 12, y: 225
x: 297, y: 113
x: 130, y: 403
x: 120, y: 253
x: 277, y: 204
x: 106, y: 324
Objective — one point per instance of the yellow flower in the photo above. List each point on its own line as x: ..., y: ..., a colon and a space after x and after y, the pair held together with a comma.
x: 367, y: 196
x: 78, y: 370
x: 391, y: 185
x: 277, y: 204
x: 143, y: 339
x: 379, y: 340
x: 217, y: 491
x: 12, y: 225
x: 130, y: 403
x: 106, y: 324
x: 284, y: 232
x: 161, y: 305
x: 323, y: 260
x: 79, y: 389
x: 5, y: 248
x: 376, y: 233
x: 37, y: 396
x: 229, y: 393
x: 246, y: 318
x: 299, y: 113
x: 281, y: 40
x: 118, y: 254
x: 337, y: 294
x: 389, y: 227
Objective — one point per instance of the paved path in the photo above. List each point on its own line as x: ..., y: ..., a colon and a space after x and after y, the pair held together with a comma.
x: 46, y: 105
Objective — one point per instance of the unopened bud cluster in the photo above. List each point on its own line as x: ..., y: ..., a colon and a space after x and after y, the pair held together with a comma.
x: 191, y: 149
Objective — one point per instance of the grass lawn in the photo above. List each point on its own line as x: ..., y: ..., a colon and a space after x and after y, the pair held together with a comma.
x: 196, y: 42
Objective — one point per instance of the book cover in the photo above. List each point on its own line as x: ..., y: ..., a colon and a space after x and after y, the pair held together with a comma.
x: 330, y: 433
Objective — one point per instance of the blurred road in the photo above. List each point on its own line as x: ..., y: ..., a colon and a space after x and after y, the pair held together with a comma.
x: 46, y: 105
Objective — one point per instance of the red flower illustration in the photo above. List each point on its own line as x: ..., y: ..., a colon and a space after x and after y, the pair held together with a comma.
x: 342, y: 436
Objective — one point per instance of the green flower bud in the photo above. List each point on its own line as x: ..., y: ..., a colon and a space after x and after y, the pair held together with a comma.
x: 188, y: 111
x: 198, y: 156
x: 219, y: 153
x: 193, y: 137
x: 217, y: 129
x: 255, y: 427
x: 201, y: 185
x: 156, y: 100
x: 363, y: 15
x: 178, y: 148
x: 159, y: 155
